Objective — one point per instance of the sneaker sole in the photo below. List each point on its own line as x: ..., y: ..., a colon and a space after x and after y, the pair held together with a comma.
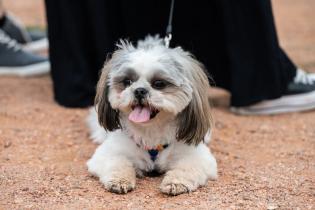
x: 25, y: 71
x: 37, y: 46
x: 285, y: 104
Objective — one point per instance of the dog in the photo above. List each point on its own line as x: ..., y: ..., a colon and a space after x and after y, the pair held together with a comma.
x: 152, y: 114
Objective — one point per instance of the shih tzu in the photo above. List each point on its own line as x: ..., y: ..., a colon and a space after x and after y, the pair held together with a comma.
x: 152, y: 114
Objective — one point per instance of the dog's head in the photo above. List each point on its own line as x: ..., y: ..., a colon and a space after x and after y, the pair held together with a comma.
x: 150, y: 82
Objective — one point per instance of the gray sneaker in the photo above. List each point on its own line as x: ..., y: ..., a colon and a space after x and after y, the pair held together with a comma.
x: 16, y: 61
x: 31, y: 40
x: 300, y: 96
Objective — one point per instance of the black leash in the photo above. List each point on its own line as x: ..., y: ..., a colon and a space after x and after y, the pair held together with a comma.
x: 168, y: 35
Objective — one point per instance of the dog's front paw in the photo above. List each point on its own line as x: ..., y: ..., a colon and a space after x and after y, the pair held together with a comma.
x: 174, y: 183
x: 120, y: 186
x: 174, y: 188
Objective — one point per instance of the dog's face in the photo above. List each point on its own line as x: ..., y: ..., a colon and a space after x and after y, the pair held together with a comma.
x: 148, y: 84
x: 151, y: 83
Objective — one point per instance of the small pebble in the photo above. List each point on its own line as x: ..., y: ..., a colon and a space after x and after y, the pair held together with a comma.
x: 272, y: 206
x: 7, y: 144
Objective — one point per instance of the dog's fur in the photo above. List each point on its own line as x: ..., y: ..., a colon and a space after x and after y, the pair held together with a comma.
x: 183, y: 120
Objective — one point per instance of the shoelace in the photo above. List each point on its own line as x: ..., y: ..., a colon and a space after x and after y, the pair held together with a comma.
x: 9, y: 42
x: 303, y: 77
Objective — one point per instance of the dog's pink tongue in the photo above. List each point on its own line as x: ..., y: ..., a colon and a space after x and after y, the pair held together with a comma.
x: 140, y: 115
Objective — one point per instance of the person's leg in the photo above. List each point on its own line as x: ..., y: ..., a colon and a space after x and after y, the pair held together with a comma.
x: 260, y: 68
x: 144, y: 18
x: 69, y: 53
x: 237, y: 42
x: 80, y: 36
x: 265, y: 80
x: 242, y: 54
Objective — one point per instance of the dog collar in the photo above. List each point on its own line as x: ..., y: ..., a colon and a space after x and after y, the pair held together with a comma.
x: 153, y: 152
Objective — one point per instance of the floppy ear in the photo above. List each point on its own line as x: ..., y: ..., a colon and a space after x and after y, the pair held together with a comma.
x: 107, y: 116
x: 195, y: 120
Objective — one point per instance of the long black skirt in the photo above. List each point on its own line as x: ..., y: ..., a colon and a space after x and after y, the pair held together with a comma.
x: 236, y: 40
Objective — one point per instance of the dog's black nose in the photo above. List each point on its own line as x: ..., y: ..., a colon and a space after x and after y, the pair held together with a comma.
x: 140, y: 93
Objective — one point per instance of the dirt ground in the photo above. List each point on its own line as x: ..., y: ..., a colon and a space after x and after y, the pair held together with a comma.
x: 264, y: 162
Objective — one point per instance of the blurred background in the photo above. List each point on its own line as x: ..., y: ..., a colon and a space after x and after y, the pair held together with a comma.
x: 30, y: 12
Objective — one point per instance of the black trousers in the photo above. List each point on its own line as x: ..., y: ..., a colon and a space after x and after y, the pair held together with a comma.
x: 236, y: 40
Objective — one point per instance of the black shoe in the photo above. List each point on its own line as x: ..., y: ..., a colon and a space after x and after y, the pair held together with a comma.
x: 16, y: 61
x: 300, y: 96
x: 32, y: 40
x: 303, y: 82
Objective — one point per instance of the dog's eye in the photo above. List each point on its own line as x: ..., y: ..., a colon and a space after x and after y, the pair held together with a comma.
x: 127, y: 82
x: 159, y: 84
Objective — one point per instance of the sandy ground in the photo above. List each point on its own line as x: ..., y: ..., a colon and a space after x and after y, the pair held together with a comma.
x: 264, y: 162
x: 31, y: 12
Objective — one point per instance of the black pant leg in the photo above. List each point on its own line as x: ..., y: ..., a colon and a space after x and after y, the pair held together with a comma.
x: 259, y: 69
x: 81, y: 33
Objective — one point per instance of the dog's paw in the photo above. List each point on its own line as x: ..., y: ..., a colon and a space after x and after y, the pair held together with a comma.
x: 174, y: 188
x: 175, y: 183
x: 120, y: 186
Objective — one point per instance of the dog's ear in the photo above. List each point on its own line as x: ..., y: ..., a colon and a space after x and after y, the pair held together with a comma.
x: 195, y: 120
x: 107, y: 116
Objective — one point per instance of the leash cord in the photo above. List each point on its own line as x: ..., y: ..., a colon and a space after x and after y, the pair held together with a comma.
x: 170, y: 19
x: 168, y: 35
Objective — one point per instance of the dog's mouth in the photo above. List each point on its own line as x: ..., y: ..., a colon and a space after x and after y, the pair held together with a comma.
x: 142, y: 113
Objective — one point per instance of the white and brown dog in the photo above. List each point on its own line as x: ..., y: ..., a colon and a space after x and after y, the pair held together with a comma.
x: 152, y: 114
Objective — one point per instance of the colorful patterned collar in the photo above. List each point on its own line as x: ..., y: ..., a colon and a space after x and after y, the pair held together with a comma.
x: 153, y: 151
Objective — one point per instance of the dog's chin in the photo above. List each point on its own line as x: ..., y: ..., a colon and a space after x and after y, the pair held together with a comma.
x: 143, y: 114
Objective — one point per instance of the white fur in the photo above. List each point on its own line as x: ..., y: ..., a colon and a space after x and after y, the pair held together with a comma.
x: 121, y: 155
x: 97, y: 133
x: 118, y: 159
